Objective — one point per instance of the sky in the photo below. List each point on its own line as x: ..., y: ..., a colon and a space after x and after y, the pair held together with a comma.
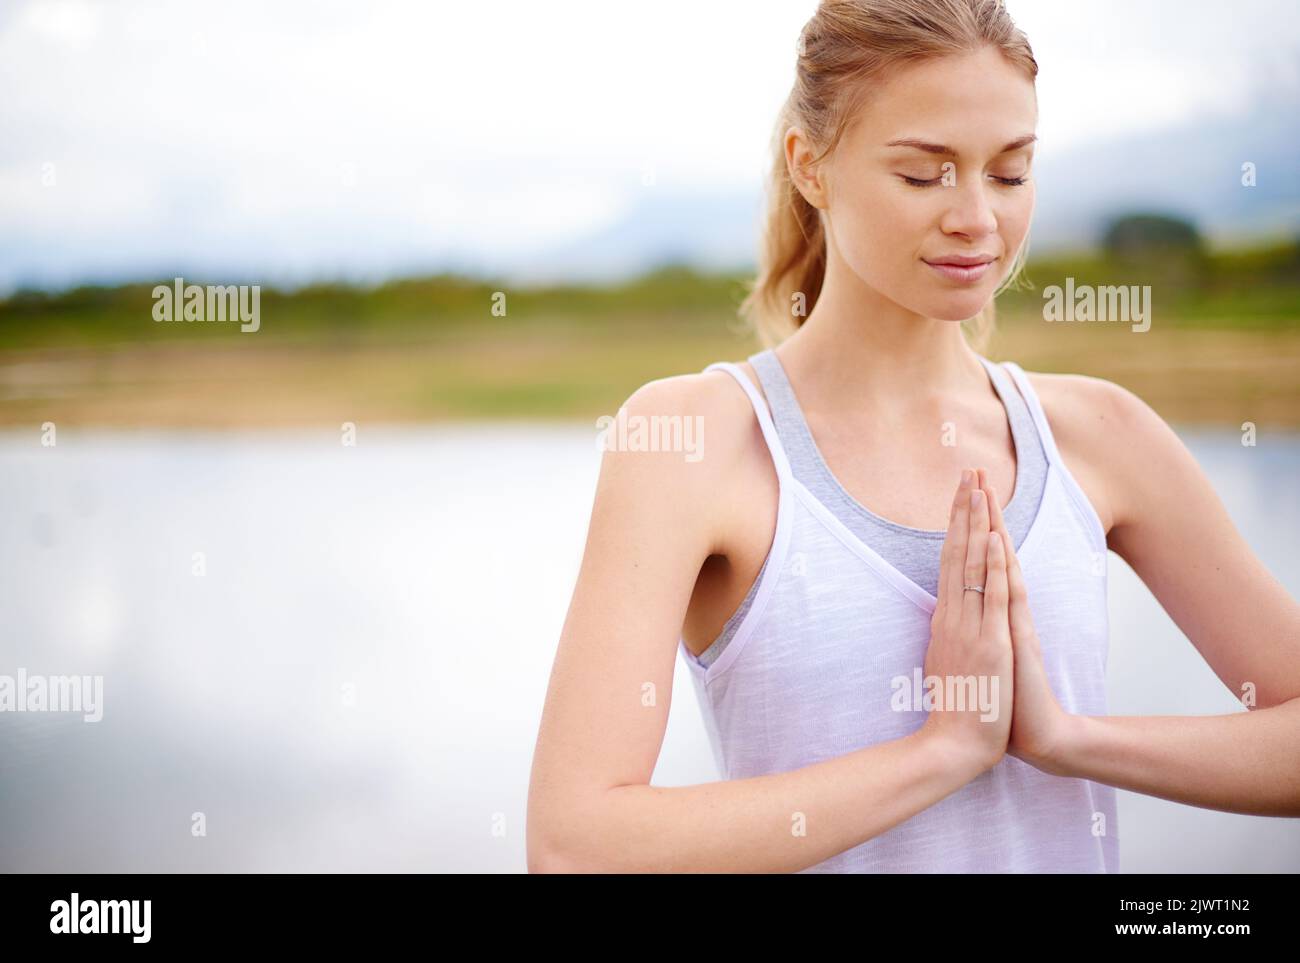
x: 292, y: 140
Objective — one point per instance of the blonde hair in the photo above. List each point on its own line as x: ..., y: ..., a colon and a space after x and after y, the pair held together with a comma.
x: 843, y: 49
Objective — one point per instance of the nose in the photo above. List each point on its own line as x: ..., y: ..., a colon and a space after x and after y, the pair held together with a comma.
x: 970, y: 213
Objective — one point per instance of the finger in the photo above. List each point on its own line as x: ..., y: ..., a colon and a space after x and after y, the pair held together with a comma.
x: 945, y: 550
x: 954, y: 544
x: 995, y: 510
x: 976, y: 558
x: 1018, y: 614
x: 996, y: 591
x: 997, y: 523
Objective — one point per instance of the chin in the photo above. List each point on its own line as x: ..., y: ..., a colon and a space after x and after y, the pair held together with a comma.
x: 945, y: 301
x: 957, y: 308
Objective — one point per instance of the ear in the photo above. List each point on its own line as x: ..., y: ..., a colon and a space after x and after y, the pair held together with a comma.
x: 808, y: 179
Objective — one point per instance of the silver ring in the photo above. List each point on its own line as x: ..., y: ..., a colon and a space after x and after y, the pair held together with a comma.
x: 973, y: 588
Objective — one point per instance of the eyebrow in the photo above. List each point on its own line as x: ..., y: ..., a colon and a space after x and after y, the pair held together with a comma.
x: 949, y: 152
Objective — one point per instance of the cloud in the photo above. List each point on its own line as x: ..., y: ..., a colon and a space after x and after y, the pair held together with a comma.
x: 299, y: 139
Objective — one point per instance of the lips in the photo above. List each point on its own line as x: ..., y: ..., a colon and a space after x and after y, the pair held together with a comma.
x: 962, y: 267
x: 962, y: 260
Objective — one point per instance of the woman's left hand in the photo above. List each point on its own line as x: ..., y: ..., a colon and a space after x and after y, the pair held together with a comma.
x: 1039, y: 726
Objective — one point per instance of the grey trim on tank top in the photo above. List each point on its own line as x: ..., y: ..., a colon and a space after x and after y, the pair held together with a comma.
x: 913, y: 551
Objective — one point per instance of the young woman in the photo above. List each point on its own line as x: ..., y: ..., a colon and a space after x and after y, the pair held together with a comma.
x: 817, y: 569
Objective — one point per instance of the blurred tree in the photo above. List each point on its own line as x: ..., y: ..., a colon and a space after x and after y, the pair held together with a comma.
x: 1161, y: 248
x: 1136, y: 235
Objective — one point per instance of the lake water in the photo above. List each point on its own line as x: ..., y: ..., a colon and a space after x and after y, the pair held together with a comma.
x: 355, y: 679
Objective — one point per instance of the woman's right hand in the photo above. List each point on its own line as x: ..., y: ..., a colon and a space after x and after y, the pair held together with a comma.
x: 970, y: 634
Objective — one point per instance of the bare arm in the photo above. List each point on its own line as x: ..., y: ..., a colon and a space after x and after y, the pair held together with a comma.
x: 1171, y: 527
x: 767, y: 824
x: 1239, y: 763
x: 655, y: 519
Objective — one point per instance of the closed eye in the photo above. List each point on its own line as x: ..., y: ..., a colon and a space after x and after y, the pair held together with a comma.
x: 918, y: 182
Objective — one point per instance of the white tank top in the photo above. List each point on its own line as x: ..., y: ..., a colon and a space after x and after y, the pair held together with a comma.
x: 810, y: 675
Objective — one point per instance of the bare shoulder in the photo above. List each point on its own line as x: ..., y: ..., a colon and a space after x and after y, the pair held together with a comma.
x: 696, y: 443
x: 1086, y: 408
x: 716, y: 405
x: 1106, y: 434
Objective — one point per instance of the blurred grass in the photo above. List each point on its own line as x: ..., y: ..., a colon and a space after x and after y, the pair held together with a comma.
x: 1224, y: 347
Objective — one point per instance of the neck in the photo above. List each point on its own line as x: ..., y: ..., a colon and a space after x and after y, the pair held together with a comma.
x: 862, y: 351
